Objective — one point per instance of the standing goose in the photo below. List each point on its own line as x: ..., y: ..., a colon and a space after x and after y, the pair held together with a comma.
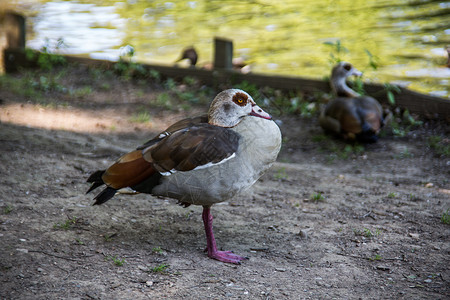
x: 351, y: 115
x: 202, y: 160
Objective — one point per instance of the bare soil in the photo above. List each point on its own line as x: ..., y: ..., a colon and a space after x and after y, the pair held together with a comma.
x: 323, y: 223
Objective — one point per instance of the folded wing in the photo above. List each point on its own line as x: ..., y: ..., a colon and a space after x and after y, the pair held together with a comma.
x: 185, y: 146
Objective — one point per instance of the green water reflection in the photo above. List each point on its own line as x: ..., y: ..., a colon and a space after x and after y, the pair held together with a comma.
x: 407, y: 38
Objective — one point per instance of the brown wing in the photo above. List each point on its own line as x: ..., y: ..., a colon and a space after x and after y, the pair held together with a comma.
x: 371, y: 112
x: 192, y: 147
x: 179, y: 148
x: 185, y: 123
x: 345, y: 112
x: 128, y: 170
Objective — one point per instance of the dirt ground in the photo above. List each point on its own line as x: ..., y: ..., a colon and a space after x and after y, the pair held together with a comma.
x: 321, y: 224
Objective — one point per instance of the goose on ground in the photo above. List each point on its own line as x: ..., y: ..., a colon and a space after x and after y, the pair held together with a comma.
x: 201, y: 160
x: 350, y: 115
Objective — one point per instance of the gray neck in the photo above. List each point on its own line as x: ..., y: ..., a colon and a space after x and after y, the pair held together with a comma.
x: 341, y: 89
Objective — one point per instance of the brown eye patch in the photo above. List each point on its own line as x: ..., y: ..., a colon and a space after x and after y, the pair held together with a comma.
x: 240, y: 99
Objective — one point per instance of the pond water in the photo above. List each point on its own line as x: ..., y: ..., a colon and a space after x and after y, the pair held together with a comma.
x: 406, y: 40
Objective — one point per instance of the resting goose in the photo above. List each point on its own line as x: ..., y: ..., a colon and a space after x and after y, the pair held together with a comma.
x: 202, y: 160
x: 351, y: 115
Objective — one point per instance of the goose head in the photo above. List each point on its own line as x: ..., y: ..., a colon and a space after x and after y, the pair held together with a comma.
x: 190, y: 54
x: 339, y: 75
x: 230, y: 106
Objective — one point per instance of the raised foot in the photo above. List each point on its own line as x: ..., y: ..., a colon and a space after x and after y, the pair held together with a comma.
x: 227, y: 257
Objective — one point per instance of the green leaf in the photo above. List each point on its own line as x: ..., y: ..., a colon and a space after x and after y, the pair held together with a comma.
x: 391, y: 98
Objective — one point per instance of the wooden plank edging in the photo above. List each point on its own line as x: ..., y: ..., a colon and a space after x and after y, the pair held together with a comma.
x: 421, y: 104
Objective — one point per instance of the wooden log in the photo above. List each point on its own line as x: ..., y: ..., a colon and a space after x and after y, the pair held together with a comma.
x: 424, y: 105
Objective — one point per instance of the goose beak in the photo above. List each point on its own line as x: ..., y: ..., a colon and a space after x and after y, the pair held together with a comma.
x: 356, y: 72
x: 258, y: 112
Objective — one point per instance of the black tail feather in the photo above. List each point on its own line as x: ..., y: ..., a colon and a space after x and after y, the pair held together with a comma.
x: 104, y: 196
x: 94, y: 186
x: 96, y: 176
x: 96, y: 180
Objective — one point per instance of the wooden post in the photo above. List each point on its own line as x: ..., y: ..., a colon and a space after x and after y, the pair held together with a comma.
x: 14, y: 25
x: 12, y: 34
x: 223, y: 53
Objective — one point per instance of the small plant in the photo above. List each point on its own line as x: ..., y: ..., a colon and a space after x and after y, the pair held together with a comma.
x: 108, y: 237
x: 65, y: 225
x: 157, y: 250
x: 307, y: 109
x: 163, y: 100
x: 281, y: 174
x: 7, y: 209
x: 126, y: 67
x: 440, y: 146
x: 352, y: 149
x: 409, y: 120
x: 320, y: 138
x: 188, y: 96
x: 392, y: 195
x: 405, y: 154
x: 373, y: 60
x: 141, y: 117
x: 188, y: 80
x: 105, y: 86
x: 117, y: 261
x: 365, y: 232
x: 414, y: 197
x: 403, y: 124
x: 337, y: 50
x: 160, y: 269
x: 170, y: 84
x: 397, y: 129
x: 47, y: 59
x: 46, y: 84
x: 445, y: 219
x: 390, y: 89
x: 316, y: 197
x: 376, y: 257
x: 79, y: 242
x: 155, y: 75
x: 82, y: 92
x: 346, y: 152
x: 291, y: 103
x: 358, y: 85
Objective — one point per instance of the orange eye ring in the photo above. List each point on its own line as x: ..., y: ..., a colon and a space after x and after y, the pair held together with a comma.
x: 240, y: 99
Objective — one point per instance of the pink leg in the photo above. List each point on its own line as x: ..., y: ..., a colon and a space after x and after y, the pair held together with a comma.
x: 224, y: 256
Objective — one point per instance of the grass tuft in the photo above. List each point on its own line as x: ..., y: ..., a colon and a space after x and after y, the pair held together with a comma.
x: 160, y: 269
x: 445, y: 218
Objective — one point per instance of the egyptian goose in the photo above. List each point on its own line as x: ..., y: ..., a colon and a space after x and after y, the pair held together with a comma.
x: 202, y: 160
x: 351, y: 115
x: 190, y: 54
